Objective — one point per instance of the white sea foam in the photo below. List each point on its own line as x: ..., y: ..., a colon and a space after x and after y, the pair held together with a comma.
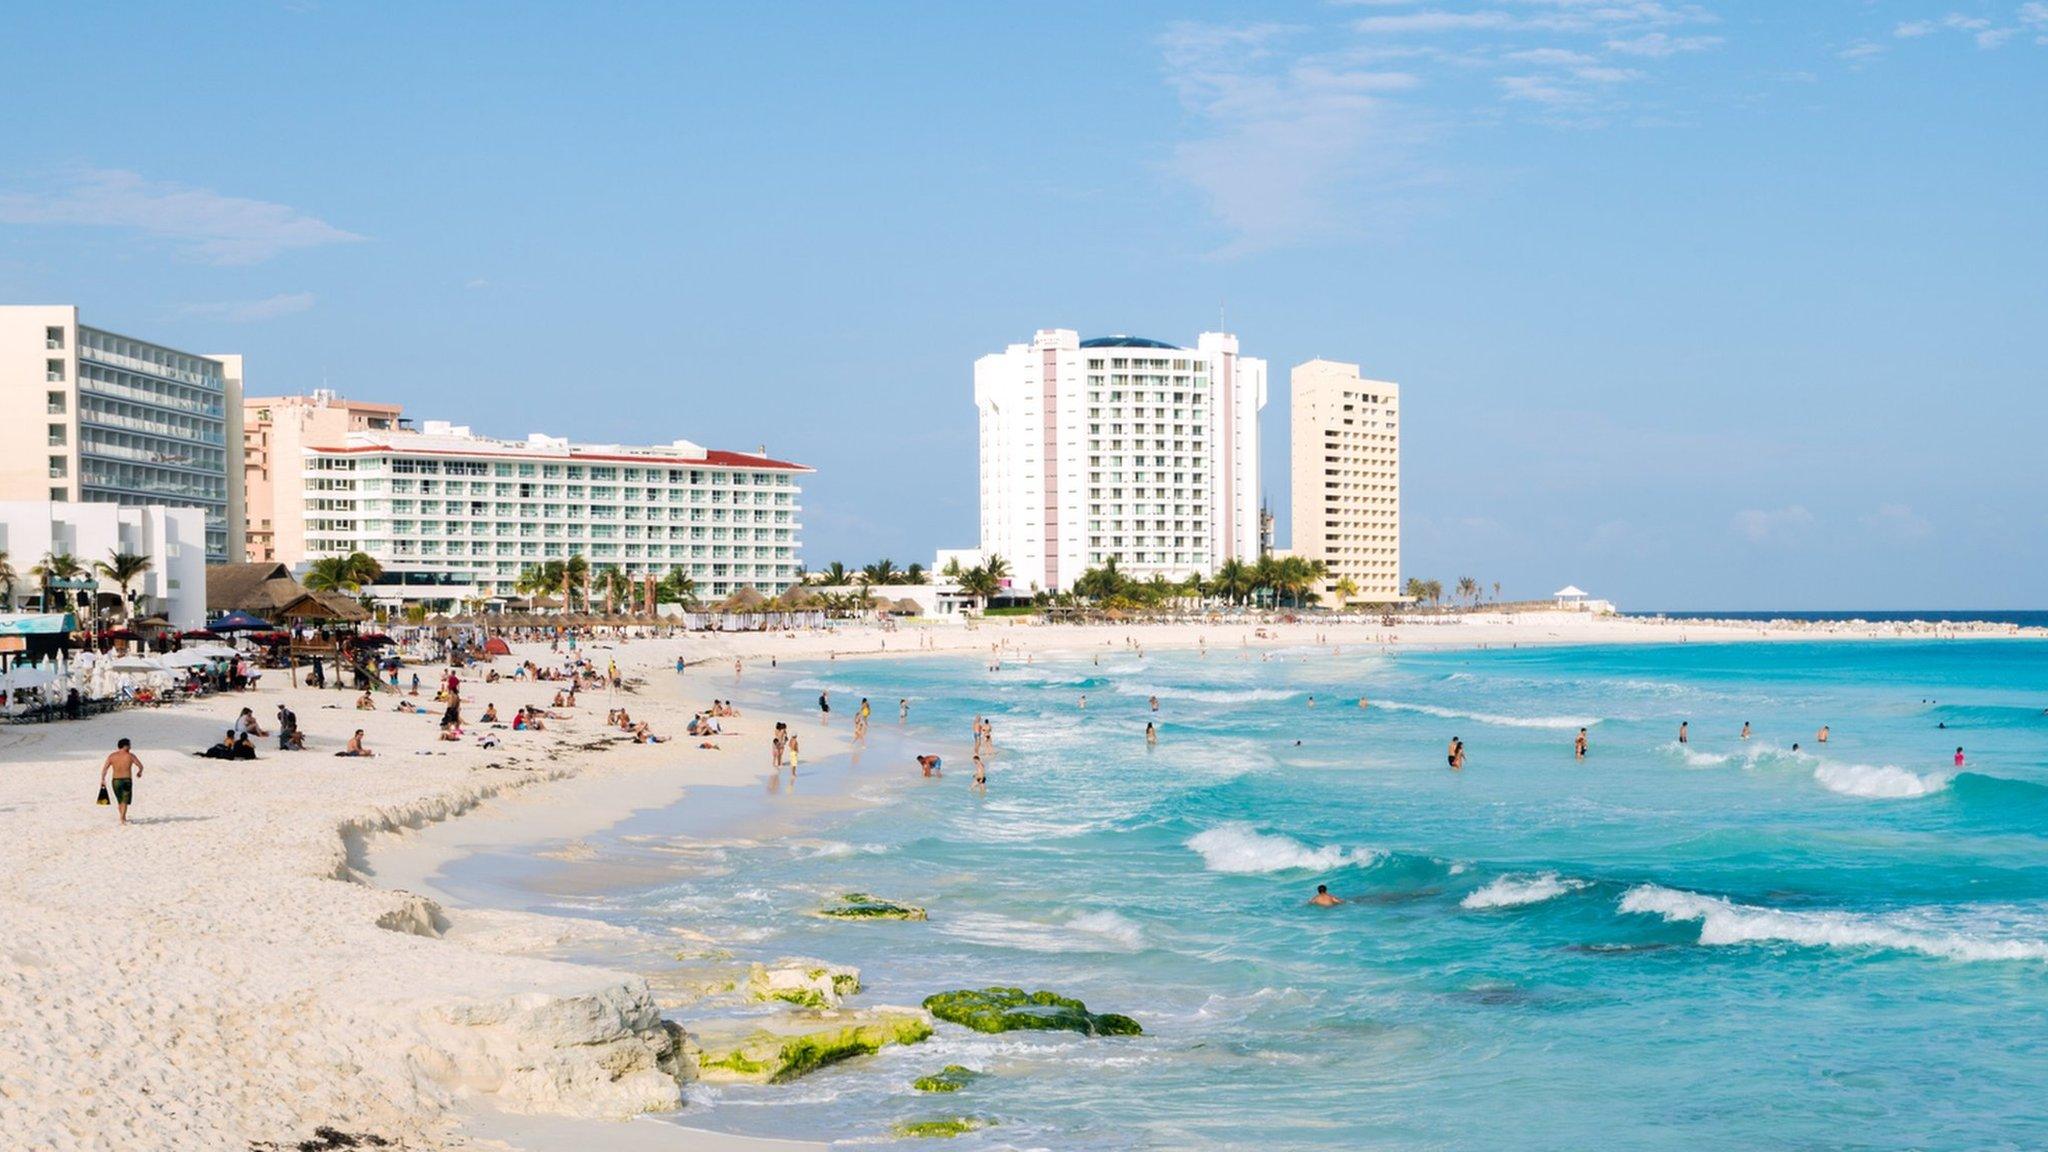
x: 1240, y: 849
x: 1206, y: 695
x: 1876, y: 782
x: 1102, y: 931
x: 1694, y: 758
x: 1490, y: 718
x: 1516, y: 891
x: 1723, y: 922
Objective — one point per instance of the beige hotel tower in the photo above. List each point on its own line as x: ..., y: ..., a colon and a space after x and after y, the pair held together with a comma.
x: 1346, y: 452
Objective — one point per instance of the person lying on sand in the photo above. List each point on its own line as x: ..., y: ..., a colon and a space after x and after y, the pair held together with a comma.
x: 643, y: 735
x: 225, y: 750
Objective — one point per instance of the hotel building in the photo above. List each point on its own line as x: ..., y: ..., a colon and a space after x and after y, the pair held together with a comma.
x: 1346, y: 453
x: 91, y: 416
x: 1118, y: 447
x: 275, y: 433
x: 453, y: 516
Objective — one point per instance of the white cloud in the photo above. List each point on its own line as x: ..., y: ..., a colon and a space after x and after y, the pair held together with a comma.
x: 1436, y: 22
x: 1769, y: 525
x: 1861, y: 50
x: 1660, y: 44
x: 1982, y: 30
x: 204, y: 224
x: 1553, y: 57
x: 244, y: 311
x: 1898, y: 523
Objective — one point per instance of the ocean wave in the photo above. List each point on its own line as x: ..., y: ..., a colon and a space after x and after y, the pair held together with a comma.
x: 1879, y: 782
x: 1206, y: 695
x: 1723, y: 922
x: 1517, y: 891
x: 1694, y: 758
x: 1102, y: 931
x: 1238, y: 849
x: 1565, y: 722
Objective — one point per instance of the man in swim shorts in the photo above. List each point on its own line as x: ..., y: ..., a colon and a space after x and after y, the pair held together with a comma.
x: 1322, y: 898
x: 929, y: 763
x: 124, y: 766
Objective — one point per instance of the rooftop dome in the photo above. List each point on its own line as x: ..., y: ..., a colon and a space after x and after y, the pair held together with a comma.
x: 1127, y: 342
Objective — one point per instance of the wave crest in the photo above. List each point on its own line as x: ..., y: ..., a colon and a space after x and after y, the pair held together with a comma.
x: 1565, y: 722
x: 1876, y: 782
x: 1724, y: 922
x: 1238, y: 849
x: 1517, y: 891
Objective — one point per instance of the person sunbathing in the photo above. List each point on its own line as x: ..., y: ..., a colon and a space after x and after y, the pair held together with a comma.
x: 355, y: 746
x: 365, y: 704
x: 642, y: 735
x: 225, y: 750
x: 490, y: 715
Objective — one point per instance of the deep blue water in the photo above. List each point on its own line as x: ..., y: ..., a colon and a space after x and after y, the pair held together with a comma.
x: 1725, y: 944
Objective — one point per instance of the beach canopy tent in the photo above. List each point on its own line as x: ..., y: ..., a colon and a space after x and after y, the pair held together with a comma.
x: 1571, y: 596
x: 239, y: 622
x: 496, y: 646
x: 41, y: 634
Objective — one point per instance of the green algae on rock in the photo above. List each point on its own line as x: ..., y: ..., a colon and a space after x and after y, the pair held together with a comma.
x: 785, y: 1048
x: 803, y: 982
x: 861, y: 906
x: 941, y: 1129
x: 951, y: 1078
x: 1011, y: 1009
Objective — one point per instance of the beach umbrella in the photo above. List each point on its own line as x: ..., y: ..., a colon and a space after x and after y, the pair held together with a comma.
x: 189, y: 658
x: 134, y: 664
x: 198, y: 634
x: 120, y: 634
x: 240, y: 622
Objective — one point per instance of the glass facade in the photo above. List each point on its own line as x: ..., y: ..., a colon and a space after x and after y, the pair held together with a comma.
x: 152, y: 429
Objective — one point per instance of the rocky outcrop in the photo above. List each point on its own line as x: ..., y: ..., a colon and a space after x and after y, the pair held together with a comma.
x: 861, y: 906
x: 944, y: 1129
x: 606, y: 1053
x: 1013, y: 1009
x: 951, y: 1078
x: 803, y: 982
x: 785, y: 1047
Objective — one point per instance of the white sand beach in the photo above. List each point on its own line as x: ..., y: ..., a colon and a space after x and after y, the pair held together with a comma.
x: 229, y: 972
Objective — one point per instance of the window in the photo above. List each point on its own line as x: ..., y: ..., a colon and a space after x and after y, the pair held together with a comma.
x: 60, y: 467
x: 56, y: 435
x: 53, y: 338
x: 55, y: 404
x: 53, y: 371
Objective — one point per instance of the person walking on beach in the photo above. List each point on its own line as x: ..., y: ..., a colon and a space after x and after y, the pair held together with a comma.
x: 1455, y: 754
x: 825, y: 704
x: 1682, y: 732
x: 776, y: 745
x: 792, y: 755
x: 122, y: 767
x: 1579, y: 745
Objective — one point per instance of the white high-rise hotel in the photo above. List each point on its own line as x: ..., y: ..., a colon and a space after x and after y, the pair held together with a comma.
x: 1118, y: 447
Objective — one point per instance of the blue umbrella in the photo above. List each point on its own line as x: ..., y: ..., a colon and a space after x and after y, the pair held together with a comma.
x: 239, y: 622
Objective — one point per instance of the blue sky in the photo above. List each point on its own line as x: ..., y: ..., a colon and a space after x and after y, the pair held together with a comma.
x: 1714, y: 305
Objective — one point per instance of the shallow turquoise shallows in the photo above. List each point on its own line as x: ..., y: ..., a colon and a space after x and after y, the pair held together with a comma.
x: 1721, y: 944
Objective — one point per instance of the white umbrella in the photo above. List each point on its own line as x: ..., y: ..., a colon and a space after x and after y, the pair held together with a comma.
x: 135, y: 664
x: 189, y: 658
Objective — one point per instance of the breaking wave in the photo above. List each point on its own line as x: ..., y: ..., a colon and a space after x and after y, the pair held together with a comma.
x: 1879, y: 782
x: 1723, y: 922
x: 1517, y: 891
x: 1490, y: 718
x: 1241, y: 850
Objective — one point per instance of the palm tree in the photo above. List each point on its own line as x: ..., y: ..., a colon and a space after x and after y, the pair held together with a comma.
x: 996, y: 566
x: 677, y: 588
x: 1468, y: 590
x: 55, y: 566
x: 1103, y: 582
x: 1435, y: 588
x: 7, y: 579
x: 1233, y: 580
x: 124, y: 568
x: 575, y: 577
x: 1496, y: 591
x: 613, y: 584
x: 1415, y: 590
x: 832, y: 575
x: 980, y: 583
x: 915, y: 574
x: 343, y: 573
x: 882, y: 571
x: 541, y: 579
x: 1347, y: 590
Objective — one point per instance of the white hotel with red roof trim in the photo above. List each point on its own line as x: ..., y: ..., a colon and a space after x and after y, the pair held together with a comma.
x: 454, y: 517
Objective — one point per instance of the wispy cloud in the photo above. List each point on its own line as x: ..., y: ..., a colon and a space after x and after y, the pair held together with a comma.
x: 1771, y: 525
x: 1898, y: 523
x: 201, y: 223
x: 1986, y: 32
x: 243, y: 311
x: 1308, y: 132
x: 1861, y: 51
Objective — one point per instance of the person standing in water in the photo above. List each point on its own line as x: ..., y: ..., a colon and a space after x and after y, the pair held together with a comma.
x: 825, y: 704
x: 1745, y: 729
x: 1682, y: 738
x: 903, y: 710
x: 1579, y: 746
x: 1322, y: 898
x: 1155, y: 703
x: 1959, y: 756
x: 980, y: 775
x: 1821, y: 737
x: 122, y: 767
x: 1455, y: 754
x: 1151, y: 733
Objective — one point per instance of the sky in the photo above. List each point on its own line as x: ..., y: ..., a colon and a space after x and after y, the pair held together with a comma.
x: 1715, y: 305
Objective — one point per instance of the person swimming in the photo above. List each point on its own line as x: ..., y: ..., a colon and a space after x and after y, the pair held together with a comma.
x: 1322, y: 898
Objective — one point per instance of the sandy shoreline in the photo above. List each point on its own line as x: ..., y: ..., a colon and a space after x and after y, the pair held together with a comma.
x: 235, y: 969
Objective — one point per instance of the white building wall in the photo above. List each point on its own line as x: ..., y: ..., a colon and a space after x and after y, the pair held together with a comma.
x: 174, y: 539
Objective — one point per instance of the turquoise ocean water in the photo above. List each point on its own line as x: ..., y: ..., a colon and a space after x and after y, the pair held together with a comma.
x: 1726, y: 944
